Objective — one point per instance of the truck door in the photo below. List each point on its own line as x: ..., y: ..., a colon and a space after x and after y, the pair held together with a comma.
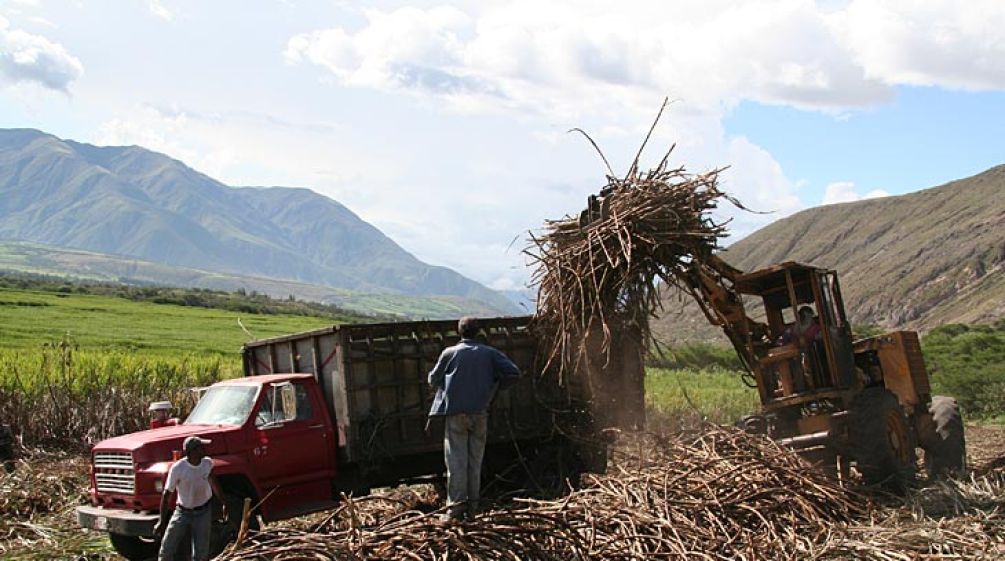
x: 293, y: 452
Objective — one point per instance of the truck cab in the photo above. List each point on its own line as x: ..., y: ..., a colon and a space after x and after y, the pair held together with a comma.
x: 266, y: 432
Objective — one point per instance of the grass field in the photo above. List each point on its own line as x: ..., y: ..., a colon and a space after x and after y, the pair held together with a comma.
x: 717, y: 394
x: 29, y: 319
x: 76, y: 368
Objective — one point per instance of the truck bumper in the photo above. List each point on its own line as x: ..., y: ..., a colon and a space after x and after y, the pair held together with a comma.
x: 114, y: 521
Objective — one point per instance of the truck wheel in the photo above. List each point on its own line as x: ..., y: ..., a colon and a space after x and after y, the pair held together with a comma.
x: 946, y: 453
x: 555, y: 466
x: 225, y: 532
x: 880, y: 439
x: 135, y: 548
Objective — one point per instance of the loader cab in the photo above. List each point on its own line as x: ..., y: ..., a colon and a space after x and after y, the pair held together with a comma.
x: 800, y: 359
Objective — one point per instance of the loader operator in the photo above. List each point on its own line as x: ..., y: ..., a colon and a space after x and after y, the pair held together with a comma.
x: 466, y: 377
x: 805, y: 333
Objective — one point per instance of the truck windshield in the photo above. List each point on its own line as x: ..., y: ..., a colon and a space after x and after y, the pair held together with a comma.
x: 223, y: 405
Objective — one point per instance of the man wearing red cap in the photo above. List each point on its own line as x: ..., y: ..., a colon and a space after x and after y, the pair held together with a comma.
x: 191, y: 479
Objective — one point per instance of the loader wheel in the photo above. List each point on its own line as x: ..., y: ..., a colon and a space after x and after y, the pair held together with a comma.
x: 135, y: 548
x: 881, y: 440
x: 946, y: 453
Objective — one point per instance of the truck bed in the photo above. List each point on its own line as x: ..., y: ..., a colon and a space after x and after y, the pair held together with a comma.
x: 374, y: 381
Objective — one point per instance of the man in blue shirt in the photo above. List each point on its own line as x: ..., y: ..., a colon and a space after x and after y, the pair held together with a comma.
x: 466, y: 378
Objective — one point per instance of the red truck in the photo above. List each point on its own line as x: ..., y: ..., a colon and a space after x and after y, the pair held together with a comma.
x: 317, y: 414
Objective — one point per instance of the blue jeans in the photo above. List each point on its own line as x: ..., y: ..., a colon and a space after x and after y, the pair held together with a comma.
x: 199, y: 522
x: 464, y: 447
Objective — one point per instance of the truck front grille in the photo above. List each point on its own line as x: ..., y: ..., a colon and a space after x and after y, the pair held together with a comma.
x: 113, y: 472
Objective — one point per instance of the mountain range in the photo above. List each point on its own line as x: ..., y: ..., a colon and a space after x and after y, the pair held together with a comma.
x: 130, y: 202
x: 913, y: 261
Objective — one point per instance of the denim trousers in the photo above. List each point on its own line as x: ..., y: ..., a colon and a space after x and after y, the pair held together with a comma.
x: 463, y: 449
x: 198, y: 522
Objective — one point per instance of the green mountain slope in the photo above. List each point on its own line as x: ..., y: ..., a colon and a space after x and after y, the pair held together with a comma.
x: 913, y: 261
x: 128, y: 201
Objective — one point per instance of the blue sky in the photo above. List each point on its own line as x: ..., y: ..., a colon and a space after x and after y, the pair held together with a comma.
x: 444, y: 123
x: 923, y: 137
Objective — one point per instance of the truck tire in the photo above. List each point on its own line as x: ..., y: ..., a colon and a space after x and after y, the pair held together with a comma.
x: 135, y: 548
x: 225, y: 532
x: 946, y: 453
x: 880, y: 440
x: 555, y: 467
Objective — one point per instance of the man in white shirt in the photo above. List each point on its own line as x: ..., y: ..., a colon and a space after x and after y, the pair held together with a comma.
x: 191, y: 479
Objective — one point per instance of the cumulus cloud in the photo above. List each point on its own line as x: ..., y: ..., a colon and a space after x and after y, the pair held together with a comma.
x: 845, y: 192
x: 409, y: 48
x: 25, y: 57
x: 587, y: 55
x: 581, y: 56
x: 934, y: 43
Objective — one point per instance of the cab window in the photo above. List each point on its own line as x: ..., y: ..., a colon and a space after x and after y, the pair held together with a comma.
x: 274, y: 409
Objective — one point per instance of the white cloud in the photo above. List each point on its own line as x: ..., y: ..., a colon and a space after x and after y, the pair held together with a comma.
x: 25, y: 57
x: 408, y: 48
x: 845, y: 192
x: 570, y: 57
x: 934, y: 43
x: 576, y: 56
x: 157, y: 9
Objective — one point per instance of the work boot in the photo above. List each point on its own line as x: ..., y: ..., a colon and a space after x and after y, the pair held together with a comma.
x: 453, y: 514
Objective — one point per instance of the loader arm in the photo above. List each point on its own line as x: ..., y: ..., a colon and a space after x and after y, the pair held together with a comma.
x: 710, y: 281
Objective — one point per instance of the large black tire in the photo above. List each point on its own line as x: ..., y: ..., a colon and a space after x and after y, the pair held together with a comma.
x: 225, y: 532
x: 946, y: 448
x: 881, y: 440
x: 135, y: 548
x: 546, y: 469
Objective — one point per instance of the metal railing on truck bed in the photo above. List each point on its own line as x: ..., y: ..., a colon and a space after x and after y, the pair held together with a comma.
x: 374, y: 380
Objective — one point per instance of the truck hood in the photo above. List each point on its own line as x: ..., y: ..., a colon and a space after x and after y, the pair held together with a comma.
x: 158, y: 444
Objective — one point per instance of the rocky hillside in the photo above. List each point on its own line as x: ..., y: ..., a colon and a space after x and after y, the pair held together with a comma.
x: 913, y: 261
x: 129, y: 201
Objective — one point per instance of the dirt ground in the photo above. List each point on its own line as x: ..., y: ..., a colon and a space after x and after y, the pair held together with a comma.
x: 985, y: 447
x: 37, y: 500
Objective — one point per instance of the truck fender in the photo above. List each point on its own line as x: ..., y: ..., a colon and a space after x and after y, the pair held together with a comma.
x: 232, y: 472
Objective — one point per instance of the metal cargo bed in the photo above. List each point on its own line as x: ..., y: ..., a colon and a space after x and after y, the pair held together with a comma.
x: 374, y: 380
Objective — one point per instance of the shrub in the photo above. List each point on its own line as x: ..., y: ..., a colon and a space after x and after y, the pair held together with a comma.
x: 968, y: 363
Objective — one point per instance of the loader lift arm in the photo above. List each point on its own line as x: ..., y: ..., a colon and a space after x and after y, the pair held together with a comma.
x: 711, y: 283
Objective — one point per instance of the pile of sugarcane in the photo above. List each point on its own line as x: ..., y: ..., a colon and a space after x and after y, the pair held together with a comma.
x: 600, y: 271
x: 720, y: 494
x: 947, y: 520
x: 42, y: 487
